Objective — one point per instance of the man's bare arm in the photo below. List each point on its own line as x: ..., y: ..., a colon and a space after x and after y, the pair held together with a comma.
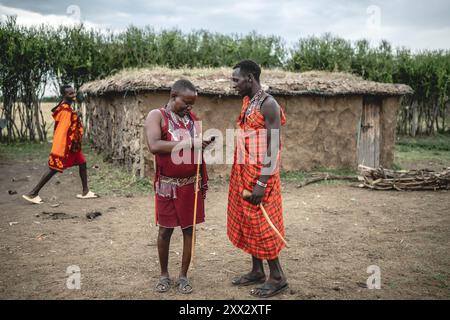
x: 152, y: 129
x: 271, y: 112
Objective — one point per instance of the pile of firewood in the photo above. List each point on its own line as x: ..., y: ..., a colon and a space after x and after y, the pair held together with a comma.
x: 384, y: 179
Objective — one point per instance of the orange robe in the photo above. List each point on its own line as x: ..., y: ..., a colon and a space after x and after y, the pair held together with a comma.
x: 247, y: 228
x: 67, y: 138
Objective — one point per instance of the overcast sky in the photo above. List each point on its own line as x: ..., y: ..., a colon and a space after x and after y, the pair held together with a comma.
x: 415, y: 24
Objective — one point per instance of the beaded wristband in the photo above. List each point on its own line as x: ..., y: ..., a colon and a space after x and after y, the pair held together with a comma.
x: 259, y: 183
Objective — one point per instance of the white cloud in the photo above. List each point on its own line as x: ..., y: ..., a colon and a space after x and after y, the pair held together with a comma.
x: 354, y: 22
x: 29, y: 18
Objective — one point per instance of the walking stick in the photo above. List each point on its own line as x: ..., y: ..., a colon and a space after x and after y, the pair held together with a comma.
x: 195, y: 206
x: 246, y: 194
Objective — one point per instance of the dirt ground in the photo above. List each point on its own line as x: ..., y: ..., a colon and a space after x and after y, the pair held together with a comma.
x: 335, y: 233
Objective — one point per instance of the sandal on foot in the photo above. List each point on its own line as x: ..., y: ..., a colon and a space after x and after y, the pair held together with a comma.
x: 184, y: 285
x: 163, y: 284
x: 89, y: 195
x: 35, y: 200
x: 268, y: 290
x: 246, y: 280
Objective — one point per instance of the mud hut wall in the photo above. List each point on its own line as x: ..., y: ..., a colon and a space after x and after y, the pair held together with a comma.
x: 388, y: 118
x: 320, y: 131
x: 115, y: 128
x: 99, y: 124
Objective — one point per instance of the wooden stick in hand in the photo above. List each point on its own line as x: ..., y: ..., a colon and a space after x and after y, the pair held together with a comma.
x: 246, y: 194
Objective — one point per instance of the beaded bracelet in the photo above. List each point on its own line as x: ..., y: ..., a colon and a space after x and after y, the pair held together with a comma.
x: 259, y: 183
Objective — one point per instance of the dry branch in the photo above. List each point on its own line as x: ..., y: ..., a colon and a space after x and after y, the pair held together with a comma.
x: 325, y: 177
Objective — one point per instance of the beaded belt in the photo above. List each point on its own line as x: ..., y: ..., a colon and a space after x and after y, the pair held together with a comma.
x: 179, y: 182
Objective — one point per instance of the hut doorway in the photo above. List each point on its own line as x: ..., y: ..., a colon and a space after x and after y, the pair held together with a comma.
x: 369, y: 133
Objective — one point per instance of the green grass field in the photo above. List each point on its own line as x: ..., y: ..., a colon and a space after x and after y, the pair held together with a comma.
x: 423, y: 151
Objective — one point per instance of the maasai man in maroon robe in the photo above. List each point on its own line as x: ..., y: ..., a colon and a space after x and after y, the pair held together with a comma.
x: 172, y: 133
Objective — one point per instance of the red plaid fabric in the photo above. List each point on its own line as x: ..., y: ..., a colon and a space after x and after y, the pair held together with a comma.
x: 247, y: 228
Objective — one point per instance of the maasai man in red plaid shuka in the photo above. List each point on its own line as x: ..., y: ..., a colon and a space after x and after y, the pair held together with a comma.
x: 255, y: 169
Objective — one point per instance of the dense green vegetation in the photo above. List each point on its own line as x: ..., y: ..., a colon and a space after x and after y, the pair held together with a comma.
x: 31, y: 57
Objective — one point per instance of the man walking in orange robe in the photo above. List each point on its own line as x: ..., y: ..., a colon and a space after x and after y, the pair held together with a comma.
x: 66, y: 149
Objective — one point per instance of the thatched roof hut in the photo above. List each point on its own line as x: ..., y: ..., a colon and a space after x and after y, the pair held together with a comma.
x: 217, y: 82
x: 333, y: 119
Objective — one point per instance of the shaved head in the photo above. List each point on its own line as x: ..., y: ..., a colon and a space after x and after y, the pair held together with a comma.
x: 249, y: 67
x: 182, y: 85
